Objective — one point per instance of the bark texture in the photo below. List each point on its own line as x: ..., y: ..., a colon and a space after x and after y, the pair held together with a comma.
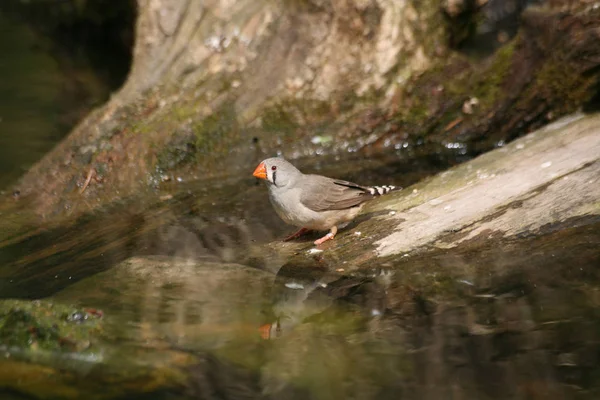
x: 215, y: 86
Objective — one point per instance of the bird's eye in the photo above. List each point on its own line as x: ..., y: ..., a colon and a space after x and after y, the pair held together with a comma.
x: 273, y: 168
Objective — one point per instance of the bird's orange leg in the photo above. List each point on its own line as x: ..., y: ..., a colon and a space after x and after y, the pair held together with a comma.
x: 327, y: 237
x: 301, y: 232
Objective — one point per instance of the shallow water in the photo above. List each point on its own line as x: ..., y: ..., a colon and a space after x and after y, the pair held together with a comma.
x: 498, y: 319
x: 212, y: 220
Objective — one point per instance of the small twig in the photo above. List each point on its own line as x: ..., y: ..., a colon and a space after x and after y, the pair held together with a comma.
x: 87, y: 180
x: 453, y: 124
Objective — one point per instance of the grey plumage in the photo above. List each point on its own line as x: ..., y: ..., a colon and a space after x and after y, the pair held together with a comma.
x: 322, y: 193
x: 312, y: 201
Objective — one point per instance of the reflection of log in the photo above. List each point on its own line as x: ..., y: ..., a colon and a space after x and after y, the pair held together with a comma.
x: 44, y: 266
x: 479, y: 321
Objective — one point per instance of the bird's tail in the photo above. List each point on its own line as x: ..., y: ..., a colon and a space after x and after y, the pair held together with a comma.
x: 381, y: 190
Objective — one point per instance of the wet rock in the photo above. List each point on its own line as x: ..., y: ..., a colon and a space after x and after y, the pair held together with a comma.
x: 507, y: 192
x: 43, y: 326
x: 544, y: 181
x: 241, y: 44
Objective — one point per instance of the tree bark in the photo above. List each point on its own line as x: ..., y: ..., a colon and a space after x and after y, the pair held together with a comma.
x: 215, y: 86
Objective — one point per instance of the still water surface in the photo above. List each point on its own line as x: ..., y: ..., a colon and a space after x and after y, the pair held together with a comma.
x: 499, y: 319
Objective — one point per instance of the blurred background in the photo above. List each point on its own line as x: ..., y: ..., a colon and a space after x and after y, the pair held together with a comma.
x: 60, y: 60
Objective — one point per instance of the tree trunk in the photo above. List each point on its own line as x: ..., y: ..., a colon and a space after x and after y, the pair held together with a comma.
x: 215, y: 86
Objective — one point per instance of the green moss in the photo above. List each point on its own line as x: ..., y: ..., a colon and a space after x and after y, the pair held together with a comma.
x: 459, y: 79
x: 176, y: 155
x: 431, y: 30
x: 39, y: 325
x: 216, y: 132
x: 564, y: 82
x: 348, y: 100
x: 279, y: 119
x: 488, y: 86
x: 288, y: 115
x: 484, y: 82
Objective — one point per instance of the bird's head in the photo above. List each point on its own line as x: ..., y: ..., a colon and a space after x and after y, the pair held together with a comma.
x: 277, y: 171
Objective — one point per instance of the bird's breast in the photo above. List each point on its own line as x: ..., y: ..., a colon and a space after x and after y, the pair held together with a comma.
x: 288, y: 206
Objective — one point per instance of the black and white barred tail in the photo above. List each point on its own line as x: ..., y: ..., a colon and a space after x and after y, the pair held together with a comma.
x: 381, y: 190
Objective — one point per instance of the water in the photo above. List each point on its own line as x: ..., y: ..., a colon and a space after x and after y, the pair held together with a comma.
x: 196, y: 305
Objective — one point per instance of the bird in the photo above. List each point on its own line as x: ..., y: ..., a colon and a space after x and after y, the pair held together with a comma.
x: 297, y: 298
x: 313, y: 202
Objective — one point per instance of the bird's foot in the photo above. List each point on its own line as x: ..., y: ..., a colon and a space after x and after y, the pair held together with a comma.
x: 296, y: 235
x: 325, y: 238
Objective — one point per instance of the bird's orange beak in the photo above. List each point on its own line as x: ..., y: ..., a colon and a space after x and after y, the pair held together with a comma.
x: 265, y: 331
x: 261, y: 171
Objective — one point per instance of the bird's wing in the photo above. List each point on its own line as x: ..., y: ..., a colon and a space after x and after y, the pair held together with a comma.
x: 321, y: 194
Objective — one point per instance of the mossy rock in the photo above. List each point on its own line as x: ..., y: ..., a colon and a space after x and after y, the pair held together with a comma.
x: 44, y: 326
x: 57, y: 351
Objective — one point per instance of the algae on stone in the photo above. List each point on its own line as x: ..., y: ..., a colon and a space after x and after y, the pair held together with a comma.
x: 45, y: 326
